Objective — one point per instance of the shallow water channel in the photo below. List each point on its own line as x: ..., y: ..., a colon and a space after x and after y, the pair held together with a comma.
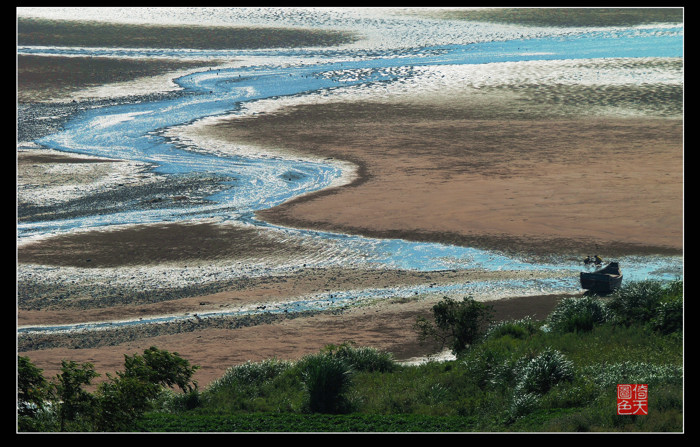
x: 137, y: 132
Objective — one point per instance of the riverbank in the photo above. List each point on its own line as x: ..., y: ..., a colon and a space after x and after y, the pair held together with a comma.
x: 218, y: 344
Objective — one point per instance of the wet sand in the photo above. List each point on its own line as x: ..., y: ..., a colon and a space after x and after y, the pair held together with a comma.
x: 428, y: 172
x: 500, y: 173
x: 37, y: 31
x: 50, y: 78
x: 387, y: 326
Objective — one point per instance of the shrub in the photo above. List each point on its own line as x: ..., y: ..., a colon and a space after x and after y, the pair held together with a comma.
x: 636, y: 302
x: 250, y: 374
x: 365, y: 359
x: 180, y: 402
x: 495, y: 364
x: 577, y: 314
x: 544, y: 371
x: 245, y: 386
x: 518, y: 329
x: 457, y: 323
x: 668, y: 317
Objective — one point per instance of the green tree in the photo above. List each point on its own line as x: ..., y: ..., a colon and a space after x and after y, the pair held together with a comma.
x: 121, y: 401
x: 161, y: 367
x: 32, y: 387
x: 128, y: 395
x: 457, y: 324
x: 117, y: 403
x: 76, y: 406
x: 33, y: 393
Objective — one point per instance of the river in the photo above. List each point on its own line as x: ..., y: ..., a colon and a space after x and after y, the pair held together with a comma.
x: 263, y: 80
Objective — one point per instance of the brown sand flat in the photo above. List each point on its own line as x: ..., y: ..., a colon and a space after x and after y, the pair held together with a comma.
x: 43, y: 78
x: 387, y: 326
x: 155, y: 244
x: 612, y: 185
x: 35, y: 31
x: 569, y: 17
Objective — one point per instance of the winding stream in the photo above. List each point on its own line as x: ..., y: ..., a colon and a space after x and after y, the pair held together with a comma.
x: 142, y: 133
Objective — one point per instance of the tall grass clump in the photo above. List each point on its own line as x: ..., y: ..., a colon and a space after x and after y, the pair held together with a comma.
x: 668, y: 317
x: 362, y: 359
x: 250, y: 374
x: 326, y: 379
x: 242, y: 384
x: 578, y: 314
x: 519, y: 329
x: 535, y: 377
x: 544, y: 371
x: 639, y: 302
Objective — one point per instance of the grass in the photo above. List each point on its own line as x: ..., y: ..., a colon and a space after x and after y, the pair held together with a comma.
x: 525, y: 375
x: 288, y: 422
x: 521, y: 376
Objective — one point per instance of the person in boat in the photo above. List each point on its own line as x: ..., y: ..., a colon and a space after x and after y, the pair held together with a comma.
x: 588, y: 260
x: 597, y: 260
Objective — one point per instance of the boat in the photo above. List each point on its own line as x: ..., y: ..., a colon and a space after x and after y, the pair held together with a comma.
x: 604, y: 280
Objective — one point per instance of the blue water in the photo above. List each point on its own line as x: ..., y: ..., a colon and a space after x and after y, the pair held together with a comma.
x: 132, y: 132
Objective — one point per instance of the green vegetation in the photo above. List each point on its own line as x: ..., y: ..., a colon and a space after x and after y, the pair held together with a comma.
x: 556, y: 375
x: 64, y: 405
x: 458, y: 324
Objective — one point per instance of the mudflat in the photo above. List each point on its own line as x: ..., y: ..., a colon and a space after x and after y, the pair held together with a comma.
x: 443, y: 173
x: 513, y: 171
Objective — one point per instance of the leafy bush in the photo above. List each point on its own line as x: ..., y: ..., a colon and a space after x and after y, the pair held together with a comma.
x: 577, y: 314
x: 180, y: 402
x: 669, y: 316
x: 458, y: 324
